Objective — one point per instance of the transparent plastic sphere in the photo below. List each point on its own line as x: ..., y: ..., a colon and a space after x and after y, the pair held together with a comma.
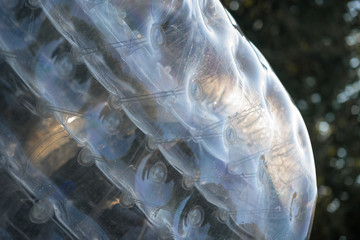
x: 159, y: 114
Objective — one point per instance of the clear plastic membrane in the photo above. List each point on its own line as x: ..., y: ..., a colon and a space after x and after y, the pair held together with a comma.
x: 54, y: 187
x: 114, y: 148
x: 46, y: 197
x: 152, y: 114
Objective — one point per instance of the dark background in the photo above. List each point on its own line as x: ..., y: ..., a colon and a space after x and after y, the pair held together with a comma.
x: 313, y: 47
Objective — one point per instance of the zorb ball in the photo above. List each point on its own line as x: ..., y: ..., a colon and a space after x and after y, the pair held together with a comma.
x: 180, y: 115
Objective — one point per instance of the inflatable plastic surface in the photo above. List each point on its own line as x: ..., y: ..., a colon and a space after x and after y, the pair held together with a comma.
x: 132, y: 119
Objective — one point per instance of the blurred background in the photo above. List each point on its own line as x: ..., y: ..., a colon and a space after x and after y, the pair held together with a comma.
x: 313, y: 47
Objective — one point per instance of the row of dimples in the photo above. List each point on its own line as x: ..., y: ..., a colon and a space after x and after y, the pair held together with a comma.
x: 230, y: 128
x: 53, y: 71
x: 252, y: 64
x: 49, y: 71
x: 53, y: 184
